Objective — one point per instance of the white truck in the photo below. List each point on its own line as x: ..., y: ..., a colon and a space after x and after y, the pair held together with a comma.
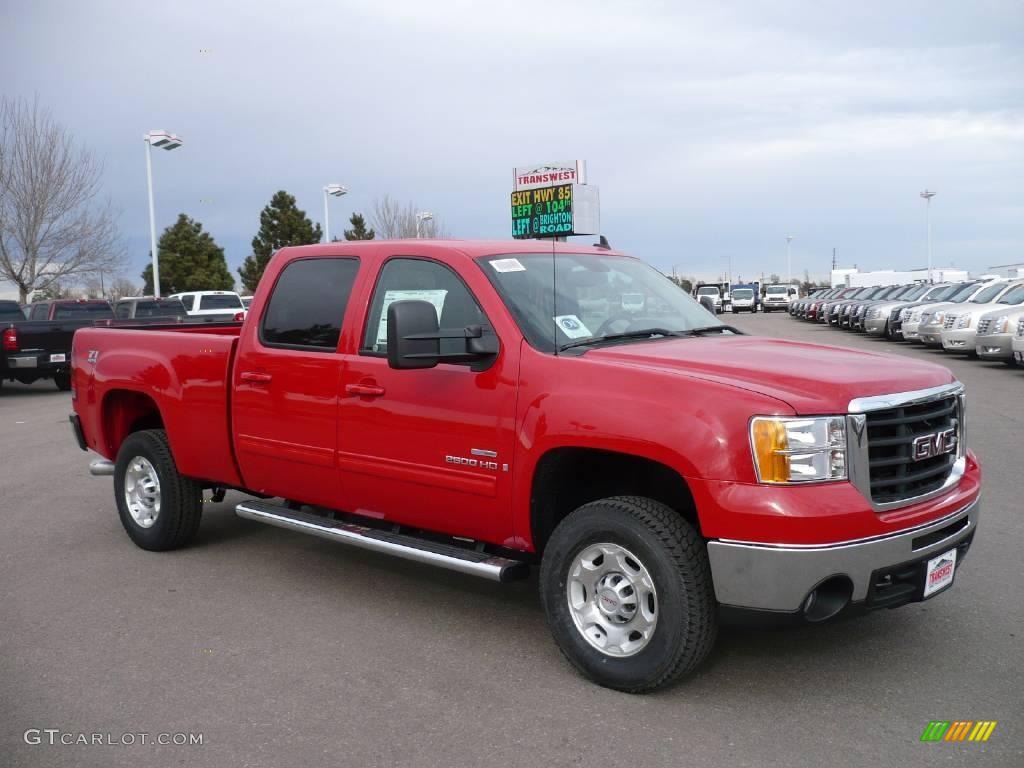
x: 208, y: 303
x: 778, y: 296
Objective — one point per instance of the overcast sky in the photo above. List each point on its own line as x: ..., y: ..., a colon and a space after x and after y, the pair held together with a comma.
x: 712, y: 129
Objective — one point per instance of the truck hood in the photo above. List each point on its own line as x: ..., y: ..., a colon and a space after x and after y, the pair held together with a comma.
x: 811, y: 378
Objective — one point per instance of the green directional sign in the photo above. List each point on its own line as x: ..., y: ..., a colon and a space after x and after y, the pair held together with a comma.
x: 558, y: 211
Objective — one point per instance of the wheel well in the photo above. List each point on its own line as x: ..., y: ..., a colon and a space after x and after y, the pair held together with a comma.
x: 567, y: 478
x: 124, y: 412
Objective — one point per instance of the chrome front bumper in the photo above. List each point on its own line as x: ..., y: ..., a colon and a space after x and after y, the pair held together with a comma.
x: 930, y: 335
x: 779, y: 577
x: 876, y: 325
x: 959, y: 339
x: 994, y: 346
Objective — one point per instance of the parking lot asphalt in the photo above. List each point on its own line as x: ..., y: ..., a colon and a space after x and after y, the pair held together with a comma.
x: 286, y: 650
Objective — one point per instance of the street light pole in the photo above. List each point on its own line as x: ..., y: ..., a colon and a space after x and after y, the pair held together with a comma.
x: 420, y: 218
x: 928, y: 223
x: 168, y: 141
x: 334, y: 190
x: 789, y: 261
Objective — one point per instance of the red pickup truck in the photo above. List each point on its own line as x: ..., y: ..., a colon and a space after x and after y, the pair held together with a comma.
x: 488, y: 406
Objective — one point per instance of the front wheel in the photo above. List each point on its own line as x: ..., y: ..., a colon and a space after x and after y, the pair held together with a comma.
x: 626, y: 588
x: 158, y: 507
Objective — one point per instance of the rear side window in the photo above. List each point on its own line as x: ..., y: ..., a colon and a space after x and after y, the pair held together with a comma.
x: 188, y: 301
x: 39, y: 312
x: 123, y: 309
x: 308, y: 303
x: 218, y: 301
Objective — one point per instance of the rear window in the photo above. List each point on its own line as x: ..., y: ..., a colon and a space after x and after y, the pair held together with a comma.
x: 220, y: 301
x: 9, y: 310
x: 160, y: 309
x: 92, y: 311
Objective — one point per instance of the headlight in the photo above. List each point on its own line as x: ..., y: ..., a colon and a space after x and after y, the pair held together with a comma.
x: 872, y: 313
x: 799, y: 450
x: 1000, y: 325
x: 915, y: 317
x: 965, y: 321
x: 937, y: 319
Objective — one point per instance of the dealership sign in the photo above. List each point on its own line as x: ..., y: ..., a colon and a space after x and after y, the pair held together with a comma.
x: 556, y: 211
x: 549, y: 174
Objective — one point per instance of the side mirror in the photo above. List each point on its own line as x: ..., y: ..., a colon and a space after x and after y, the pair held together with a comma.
x: 413, y: 339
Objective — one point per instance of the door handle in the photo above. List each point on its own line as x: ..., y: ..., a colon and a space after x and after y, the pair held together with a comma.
x: 255, y: 377
x: 364, y: 390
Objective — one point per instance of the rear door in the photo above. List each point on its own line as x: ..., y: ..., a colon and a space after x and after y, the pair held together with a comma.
x: 430, y: 448
x: 286, y: 380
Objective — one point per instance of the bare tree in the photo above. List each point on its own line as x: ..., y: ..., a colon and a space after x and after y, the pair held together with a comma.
x: 393, y: 220
x: 102, y: 286
x: 53, y: 228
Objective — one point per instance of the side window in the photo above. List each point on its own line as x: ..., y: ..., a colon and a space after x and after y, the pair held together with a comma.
x: 188, y: 301
x: 39, y: 312
x: 123, y: 309
x: 308, y: 303
x: 403, y: 279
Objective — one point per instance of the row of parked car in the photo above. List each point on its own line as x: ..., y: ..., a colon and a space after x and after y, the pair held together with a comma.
x: 35, y: 339
x: 981, y: 318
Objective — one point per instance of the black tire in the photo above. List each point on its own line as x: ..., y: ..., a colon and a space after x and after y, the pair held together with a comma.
x: 676, y: 558
x: 63, y: 381
x: 180, y: 497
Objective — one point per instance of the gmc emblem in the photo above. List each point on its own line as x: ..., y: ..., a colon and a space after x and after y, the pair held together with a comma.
x: 929, y: 446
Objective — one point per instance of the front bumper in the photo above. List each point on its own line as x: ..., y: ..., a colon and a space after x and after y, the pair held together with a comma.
x: 994, y: 346
x: 875, y: 326
x: 959, y: 339
x: 1018, y: 349
x: 780, y: 577
x: 930, y: 335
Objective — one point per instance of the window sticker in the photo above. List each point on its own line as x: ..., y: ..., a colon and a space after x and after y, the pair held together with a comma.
x: 435, y: 297
x: 572, y: 327
x: 508, y: 265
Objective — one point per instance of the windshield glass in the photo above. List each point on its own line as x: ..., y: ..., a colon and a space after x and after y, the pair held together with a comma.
x: 1013, y: 296
x: 776, y: 289
x: 169, y: 308
x: 940, y: 292
x: 916, y: 293
x: 589, y: 296
x: 989, y: 294
x: 96, y: 311
x: 961, y: 294
x: 743, y: 293
x: 707, y: 290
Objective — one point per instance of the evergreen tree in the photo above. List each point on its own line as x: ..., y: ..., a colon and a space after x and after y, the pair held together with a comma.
x: 190, y: 260
x: 359, y: 230
x: 281, y: 224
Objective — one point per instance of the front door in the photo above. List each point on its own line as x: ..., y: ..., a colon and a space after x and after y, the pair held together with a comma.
x: 429, y: 448
x: 286, y: 382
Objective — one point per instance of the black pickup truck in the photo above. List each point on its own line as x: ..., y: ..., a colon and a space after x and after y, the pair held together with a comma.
x: 40, y: 347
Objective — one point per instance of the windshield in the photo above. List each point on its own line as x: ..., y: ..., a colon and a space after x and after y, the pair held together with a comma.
x: 940, y: 292
x: 590, y: 296
x: 776, y: 289
x: 916, y: 293
x: 989, y: 294
x: 97, y: 311
x: 743, y: 293
x: 961, y: 294
x: 707, y: 290
x: 1013, y: 296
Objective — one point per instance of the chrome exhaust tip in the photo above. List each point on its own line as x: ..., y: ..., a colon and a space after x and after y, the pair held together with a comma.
x: 101, y: 467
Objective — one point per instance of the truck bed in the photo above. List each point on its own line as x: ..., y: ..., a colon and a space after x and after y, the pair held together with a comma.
x: 181, y: 371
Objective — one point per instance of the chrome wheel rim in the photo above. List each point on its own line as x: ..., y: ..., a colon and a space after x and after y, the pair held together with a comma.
x: 612, y: 599
x: 142, y: 492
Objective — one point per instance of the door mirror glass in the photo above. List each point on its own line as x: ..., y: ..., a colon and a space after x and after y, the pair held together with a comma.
x: 408, y: 320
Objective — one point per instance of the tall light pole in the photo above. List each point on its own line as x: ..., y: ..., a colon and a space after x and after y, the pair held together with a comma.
x: 167, y: 141
x: 421, y: 217
x: 334, y: 190
x: 928, y: 222
x: 789, y: 262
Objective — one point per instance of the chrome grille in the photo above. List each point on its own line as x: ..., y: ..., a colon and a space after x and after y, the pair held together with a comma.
x: 983, y: 326
x: 950, y: 320
x: 1020, y: 327
x: 893, y: 472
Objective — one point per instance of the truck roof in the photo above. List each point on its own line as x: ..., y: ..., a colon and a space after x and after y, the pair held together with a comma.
x: 471, y: 248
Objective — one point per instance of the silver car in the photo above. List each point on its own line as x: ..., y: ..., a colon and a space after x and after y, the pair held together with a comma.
x: 933, y: 318
x: 961, y: 324
x: 879, y: 318
x: 1018, y: 343
x: 996, y: 329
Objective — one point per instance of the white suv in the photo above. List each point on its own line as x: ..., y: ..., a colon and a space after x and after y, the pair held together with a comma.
x: 207, y: 303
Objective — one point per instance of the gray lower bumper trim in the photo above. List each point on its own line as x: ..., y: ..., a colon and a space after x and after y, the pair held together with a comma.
x: 779, y: 577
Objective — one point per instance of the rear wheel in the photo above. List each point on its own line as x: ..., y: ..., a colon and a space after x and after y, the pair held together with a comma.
x: 627, y: 593
x: 159, y: 508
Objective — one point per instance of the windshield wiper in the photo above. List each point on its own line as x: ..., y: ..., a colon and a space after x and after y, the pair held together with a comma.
x: 648, y: 332
x: 643, y: 334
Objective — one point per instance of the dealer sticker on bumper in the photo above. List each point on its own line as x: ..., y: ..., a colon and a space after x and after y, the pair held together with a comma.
x: 939, y: 573
x: 58, y: 358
